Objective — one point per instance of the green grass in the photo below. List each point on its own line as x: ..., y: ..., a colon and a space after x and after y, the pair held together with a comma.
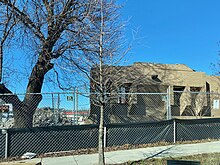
x: 205, y: 159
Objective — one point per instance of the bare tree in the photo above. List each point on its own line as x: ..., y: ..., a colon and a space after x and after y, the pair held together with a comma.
x: 105, y: 48
x: 60, y: 35
x: 66, y: 37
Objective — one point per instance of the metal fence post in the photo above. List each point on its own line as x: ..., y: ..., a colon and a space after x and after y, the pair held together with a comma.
x: 57, y: 109
x: 174, y: 130
x: 77, y: 107
x: 169, y: 116
x: 105, y: 136
x: 1, y: 117
x: 53, y: 108
x: 5, y: 132
x: 73, y: 110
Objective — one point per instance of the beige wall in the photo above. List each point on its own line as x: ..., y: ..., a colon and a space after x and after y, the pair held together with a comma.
x: 177, y: 74
x: 214, y: 82
x: 173, y: 75
x: 181, y: 75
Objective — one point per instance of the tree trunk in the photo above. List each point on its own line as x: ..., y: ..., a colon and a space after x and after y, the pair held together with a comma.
x: 101, y: 137
x: 24, y: 110
x: 23, y: 115
x: 23, y: 118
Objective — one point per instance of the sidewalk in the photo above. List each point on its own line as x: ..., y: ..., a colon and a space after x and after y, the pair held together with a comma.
x: 115, y: 157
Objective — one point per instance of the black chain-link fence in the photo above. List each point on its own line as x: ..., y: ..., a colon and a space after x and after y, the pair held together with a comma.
x: 143, y: 133
x: 188, y: 130
x: 16, y: 142
x: 130, y: 118
x: 2, y: 145
x: 50, y: 139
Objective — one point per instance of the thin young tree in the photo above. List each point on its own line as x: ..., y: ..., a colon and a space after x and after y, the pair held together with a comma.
x: 104, y: 52
x: 109, y: 55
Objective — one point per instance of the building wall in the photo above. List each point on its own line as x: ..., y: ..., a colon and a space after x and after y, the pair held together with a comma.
x: 179, y: 75
x: 174, y: 75
x: 156, y: 78
x: 214, y: 82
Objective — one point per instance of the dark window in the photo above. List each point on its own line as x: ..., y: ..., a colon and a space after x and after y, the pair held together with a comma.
x: 155, y: 78
x: 123, y: 93
x: 177, y: 94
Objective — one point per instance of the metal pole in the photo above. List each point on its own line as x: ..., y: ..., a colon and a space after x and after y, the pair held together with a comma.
x: 76, y: 107
x: 170, y: 115
x: 73, y: 110
x: 53, y: 108
x: 105, y: 136
x: 1, y: 116
x: 174, y: 131
x: 168, y: 104
x: 58, y: 108
x: 5, y: 132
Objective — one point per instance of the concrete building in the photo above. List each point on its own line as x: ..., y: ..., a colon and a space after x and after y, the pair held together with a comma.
x: 190, y: 93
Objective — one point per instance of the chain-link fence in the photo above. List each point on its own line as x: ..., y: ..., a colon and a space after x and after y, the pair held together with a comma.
x: 142, y: 133
x: 16, y: 142
x: 188, y: 130
x: 76, y: 108
x: 131, y: 107
x: 45, y: 109
x: 60, y: 139
x: 128, y: 120
x: 52, y: 139
x: 194, y: 104
x: 142, y: 107
x: 3, y: 146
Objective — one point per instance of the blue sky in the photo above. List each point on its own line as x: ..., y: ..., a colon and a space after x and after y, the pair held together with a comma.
x: 169, y: 31
x: 174, y: 31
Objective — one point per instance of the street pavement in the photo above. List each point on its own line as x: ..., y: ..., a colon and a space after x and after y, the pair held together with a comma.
x: 116, y: 157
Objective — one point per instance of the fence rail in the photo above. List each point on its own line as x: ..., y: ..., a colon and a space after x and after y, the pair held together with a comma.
x: 16, y: 142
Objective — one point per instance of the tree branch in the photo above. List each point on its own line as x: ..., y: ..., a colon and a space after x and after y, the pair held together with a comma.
x: 25, y: 19
x: 9, y: 98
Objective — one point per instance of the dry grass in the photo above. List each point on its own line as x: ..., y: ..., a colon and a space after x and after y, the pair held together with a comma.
x: 205, y: 159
